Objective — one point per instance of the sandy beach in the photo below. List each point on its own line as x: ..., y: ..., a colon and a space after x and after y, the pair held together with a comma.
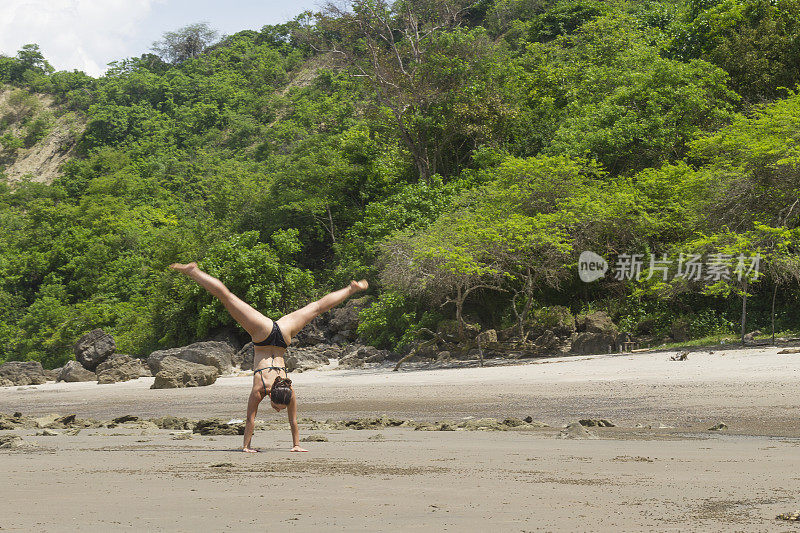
x: 658, y: 469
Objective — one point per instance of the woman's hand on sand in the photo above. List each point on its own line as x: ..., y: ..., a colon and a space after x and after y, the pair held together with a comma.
x: 250, y: 450
x: 298, y: 449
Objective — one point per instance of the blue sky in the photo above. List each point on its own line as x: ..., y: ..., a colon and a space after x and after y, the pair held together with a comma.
x: 87, y: 34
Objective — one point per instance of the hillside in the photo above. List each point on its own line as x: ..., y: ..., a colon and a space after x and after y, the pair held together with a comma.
x: 462, y: 163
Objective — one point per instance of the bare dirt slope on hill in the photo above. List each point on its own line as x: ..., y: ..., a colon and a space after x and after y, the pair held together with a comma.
x: 42, y: 161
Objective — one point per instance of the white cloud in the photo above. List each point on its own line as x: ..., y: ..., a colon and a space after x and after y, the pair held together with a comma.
x: 73, y: 34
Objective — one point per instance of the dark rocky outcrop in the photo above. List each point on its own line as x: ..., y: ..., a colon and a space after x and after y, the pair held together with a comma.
x: 16, y: 421
x: 172, y: 422
x: 598, y: 334
x: 595, y: 423
x: 343, y: 320
x: 487, y: 338
x: 94, y: 348
x: 356, y: 355
x: 598, y: 322
x: 548, y: 343
x: 17, y: 373
x: 244, y: 357
x: 176, y: 373
x: 13, y: 441
x: 593, y: 343
x: 218, y: 354
x: 73, y: 372
x: 121, y: 368
x: 215, y: 426
x: 310, y: 357
x: 315, y: 332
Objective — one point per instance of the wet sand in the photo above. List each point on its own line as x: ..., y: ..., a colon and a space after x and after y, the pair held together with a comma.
x: 660, y: 469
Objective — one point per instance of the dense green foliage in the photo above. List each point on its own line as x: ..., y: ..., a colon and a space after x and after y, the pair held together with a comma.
x: 462, y: 170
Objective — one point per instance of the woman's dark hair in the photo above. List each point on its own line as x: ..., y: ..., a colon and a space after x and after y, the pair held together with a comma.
x: 281, y: 392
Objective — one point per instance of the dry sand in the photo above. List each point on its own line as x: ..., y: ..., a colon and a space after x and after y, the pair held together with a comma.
x: 660, y: 469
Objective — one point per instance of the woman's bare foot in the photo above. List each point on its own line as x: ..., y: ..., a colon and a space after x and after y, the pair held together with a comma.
x: 180, y: 267
x: 359, y: 285
x: 250, y: 450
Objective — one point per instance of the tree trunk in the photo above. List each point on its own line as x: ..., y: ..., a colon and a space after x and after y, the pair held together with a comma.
x: 330, y: 221
x: 459, y: 319
x: 526, y: 309
x: 520, y: 321
x: 421, y: 161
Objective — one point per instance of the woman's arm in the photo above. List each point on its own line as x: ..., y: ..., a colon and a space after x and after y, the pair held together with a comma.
x: 252, y: 410
x: 292, y: 412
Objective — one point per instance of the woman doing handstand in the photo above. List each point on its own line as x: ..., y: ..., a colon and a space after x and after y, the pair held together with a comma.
x: 270, y: 340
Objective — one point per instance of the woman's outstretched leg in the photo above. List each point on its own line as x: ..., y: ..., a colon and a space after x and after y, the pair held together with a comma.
x: 294, y: 322
x: 256, y: 324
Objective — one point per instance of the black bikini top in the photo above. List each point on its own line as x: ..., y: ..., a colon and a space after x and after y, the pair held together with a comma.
x: 275, y: 337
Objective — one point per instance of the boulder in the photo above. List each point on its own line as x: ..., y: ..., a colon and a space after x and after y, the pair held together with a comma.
x: 17, y: 373
x: 345, y: 318
x: 343, y: 337
x: 350, y: 359
x: 172, y: 422
x: 311, y: 357
x: 210, y: 353
x: 13, y: 441
x: 94, y: 348
x: 176, y: 373
x: 356, y: 355
x: 65, y: 422
x: 214, y: 426
x: 487, y: 337
x: 121, y: 368
x: 482, y: 424
x: 587, y: 343
x: 16, y: 421
x: 576, y: 431
x: 313, y: 333
x: 52, y: 375
x: 600, y: 322
x: 73, y: 372
x: 749, y: 337
x: 547, y: 342
x: 244, y: 357
x: 596, y: 423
